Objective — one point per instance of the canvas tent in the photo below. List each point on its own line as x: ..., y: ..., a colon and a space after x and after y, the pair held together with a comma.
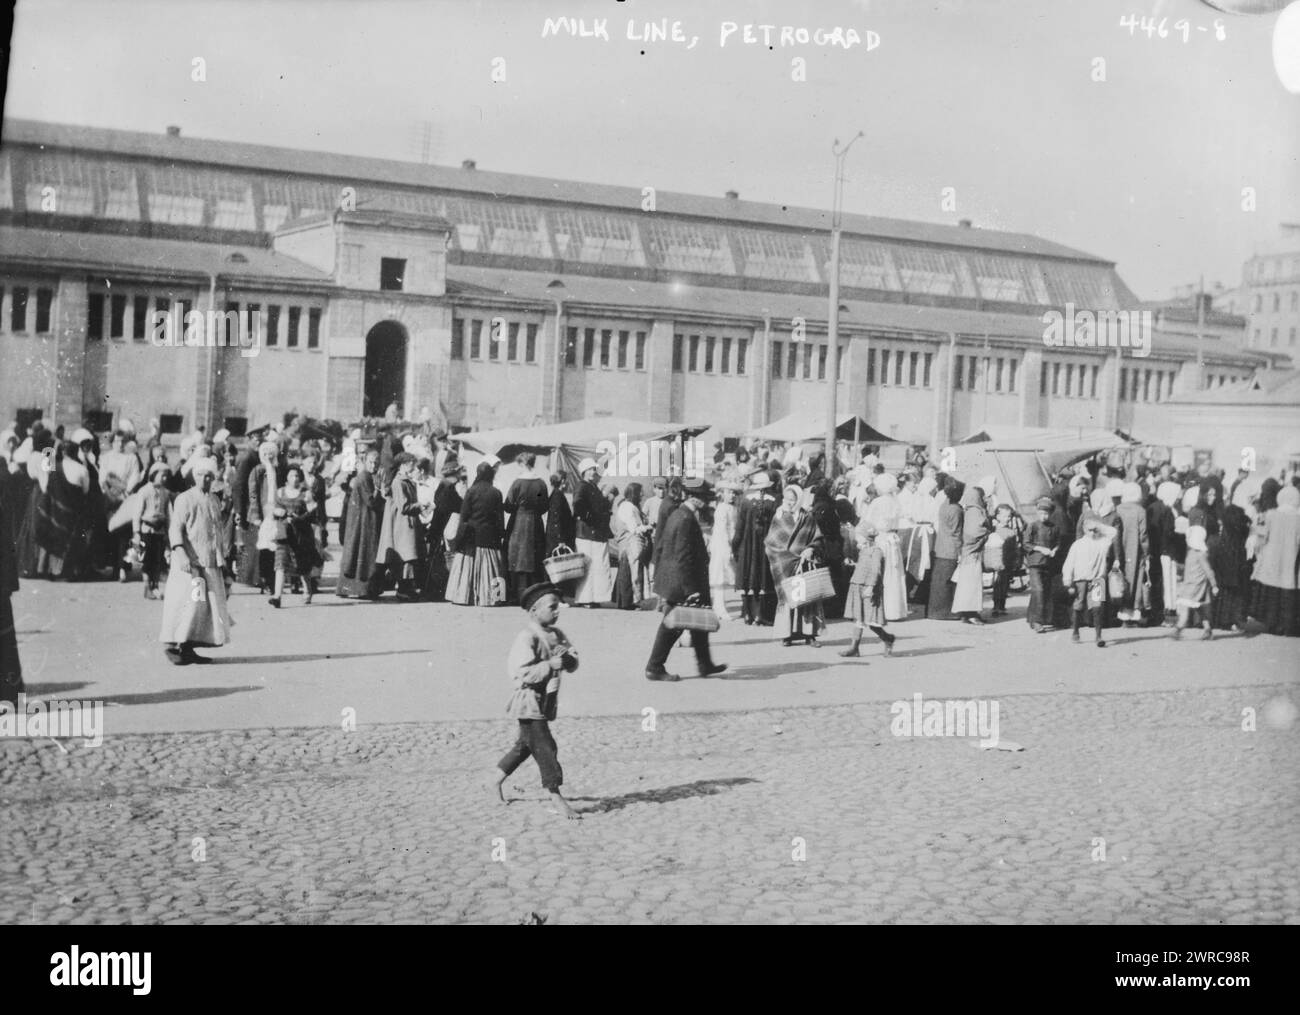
x: 799, y: 427
x: 1024, y: 460
x: 571, y: 442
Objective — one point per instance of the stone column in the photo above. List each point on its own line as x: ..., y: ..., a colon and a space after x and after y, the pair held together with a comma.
x: 1108, y: 391
x: 760, y: 381
x: 1030, y: 380
x: 941, y: 427
x: 659, y: 366
x: 70, y: 351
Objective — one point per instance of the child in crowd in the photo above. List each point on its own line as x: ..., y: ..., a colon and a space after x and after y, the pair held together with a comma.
x: 1041, y: 541
x: 865, y: 605
x: 1197, y: 587
x: 539, y: 653
x: 1007, y: 526
x: 152, y: 520
x: 1085, y: 570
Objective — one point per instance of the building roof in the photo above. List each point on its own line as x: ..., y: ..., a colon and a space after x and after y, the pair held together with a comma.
x: 678, y: 297
x: 179, y: 259
x: 207, y: 152
x: 1272, y: 387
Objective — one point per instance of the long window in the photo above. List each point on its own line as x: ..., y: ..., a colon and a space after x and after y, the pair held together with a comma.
x: 776, y: 359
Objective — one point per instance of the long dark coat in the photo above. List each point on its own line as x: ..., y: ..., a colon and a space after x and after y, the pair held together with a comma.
x: 482, y: 518
x: 683, y: 568
x: 591, y: 510
x: 365, y: 515
x: 560, y: 528
x: 526, y: 534
x: 753, y: 518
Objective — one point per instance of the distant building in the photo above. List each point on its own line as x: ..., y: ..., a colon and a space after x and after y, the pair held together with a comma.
x: 499, y: 300
x: 1270, y: 294
x: 1261, y: 415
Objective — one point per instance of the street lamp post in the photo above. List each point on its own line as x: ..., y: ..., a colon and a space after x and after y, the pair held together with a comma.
x: 833, y: 322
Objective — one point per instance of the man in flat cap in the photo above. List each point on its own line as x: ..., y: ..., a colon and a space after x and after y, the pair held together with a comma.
x: 682, y: 572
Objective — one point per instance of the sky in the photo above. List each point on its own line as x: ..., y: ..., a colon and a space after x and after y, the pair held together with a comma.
x: 996, y: 99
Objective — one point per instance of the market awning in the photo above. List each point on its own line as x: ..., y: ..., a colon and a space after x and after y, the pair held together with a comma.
x: 810, y: 426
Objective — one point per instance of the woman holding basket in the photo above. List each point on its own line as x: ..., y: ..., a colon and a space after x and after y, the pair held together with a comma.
x: 793, y: 542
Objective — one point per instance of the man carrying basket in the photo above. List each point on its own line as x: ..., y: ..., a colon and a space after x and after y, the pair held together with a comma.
x: 682, y: 575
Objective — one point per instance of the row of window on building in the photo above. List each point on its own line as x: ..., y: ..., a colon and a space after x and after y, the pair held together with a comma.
x: 1273, y: 336
x: 23, y: 316
x: 1277, y: 301
x: 494, y: 339
x: 115, y: 315
x: 712, y: 354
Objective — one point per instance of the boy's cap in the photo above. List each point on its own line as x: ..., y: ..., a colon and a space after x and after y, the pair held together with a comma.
x: 535, y: 592
x: 1044, y: 504
x: 694, y: 486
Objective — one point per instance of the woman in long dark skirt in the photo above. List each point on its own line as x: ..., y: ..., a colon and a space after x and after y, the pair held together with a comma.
x: 947, y: 550
x: 753, y: 571
x: 447, y: 501
x: 828, y: 524
x: 364, y: 518
x: 1227, y: 553
x: 526, y: 501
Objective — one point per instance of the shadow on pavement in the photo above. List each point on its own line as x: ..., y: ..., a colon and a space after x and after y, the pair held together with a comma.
x: 686, y: 791
x: 772, y: 672
x: 312, y: 657
x: 934, y: 651
x: 175, y: 694
x: 74, y: 685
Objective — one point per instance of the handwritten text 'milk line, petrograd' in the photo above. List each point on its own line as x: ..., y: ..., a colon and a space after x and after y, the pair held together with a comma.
x: 664, y: 30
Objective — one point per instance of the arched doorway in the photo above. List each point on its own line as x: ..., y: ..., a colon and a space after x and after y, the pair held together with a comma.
x: 385, y: 368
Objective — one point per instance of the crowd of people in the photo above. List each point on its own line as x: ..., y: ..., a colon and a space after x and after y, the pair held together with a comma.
x: 767, y: 530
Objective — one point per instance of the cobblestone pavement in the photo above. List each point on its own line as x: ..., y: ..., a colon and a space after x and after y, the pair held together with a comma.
x: 784, y: 815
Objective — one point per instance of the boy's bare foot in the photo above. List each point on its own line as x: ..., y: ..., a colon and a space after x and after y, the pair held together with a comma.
x: 496, y: 782
x: 564, y: 808
x: 850, y: 653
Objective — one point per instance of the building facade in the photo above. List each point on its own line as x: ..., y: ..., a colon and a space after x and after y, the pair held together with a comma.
x: 505, y: 300
x: 1270, y: 294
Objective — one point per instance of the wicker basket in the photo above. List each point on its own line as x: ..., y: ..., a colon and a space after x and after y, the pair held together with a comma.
x: 564, y: 564
x: 807, y: 586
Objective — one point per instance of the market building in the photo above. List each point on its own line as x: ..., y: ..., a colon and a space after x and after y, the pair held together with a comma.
x: 505, y: 300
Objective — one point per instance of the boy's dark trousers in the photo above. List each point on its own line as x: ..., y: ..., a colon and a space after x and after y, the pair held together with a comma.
x: 535, y: 741
x: 1098, y: 611
x: 1001, y: 586
x: 666, y: 638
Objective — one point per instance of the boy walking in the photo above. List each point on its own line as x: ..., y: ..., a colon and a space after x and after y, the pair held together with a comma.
x: 539, y: 653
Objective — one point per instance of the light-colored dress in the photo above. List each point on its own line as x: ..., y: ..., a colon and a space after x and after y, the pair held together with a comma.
x: 884, y: 513
x: 195, y: 611
x: 722, y: 572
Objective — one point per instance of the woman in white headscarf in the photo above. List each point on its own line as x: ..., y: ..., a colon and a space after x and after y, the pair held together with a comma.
x: 794, y: 539
x: 883, y: 515
x: 968, y: 599
x: 194, y: 603
x: 1163, y: 541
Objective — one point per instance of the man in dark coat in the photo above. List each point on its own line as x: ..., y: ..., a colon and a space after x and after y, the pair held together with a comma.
x: 683, y: 572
